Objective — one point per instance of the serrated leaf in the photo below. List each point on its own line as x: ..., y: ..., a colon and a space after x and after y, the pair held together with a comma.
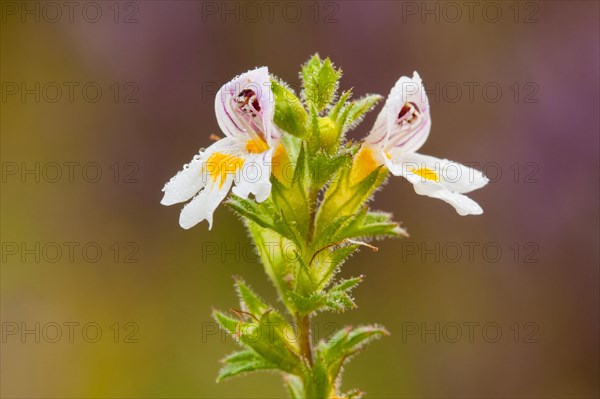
x: 251, y: 210
x: 338, y: 296
x: 347, y: 284
x: 291, y: 216
x: 242, y: 362
x: 323, y: 167
x: 228, y: 323
x: 261, y: 214
x: 249, y: 300
x: 327, y: 262
x: 310, y: 68
x: 358, y: 109
x: 327, y: 233
x: 267, y: 337
x: 335, y: 260
x: 335, y: 110
x: 328, y: 81
x: 270, y: 247
x: 290, y: 114
x: 320, y: 82
x: 318, y: 384
x: 345, y: 344
x: 371, y: 225
x: 307, y: 304
x: 338, y: 301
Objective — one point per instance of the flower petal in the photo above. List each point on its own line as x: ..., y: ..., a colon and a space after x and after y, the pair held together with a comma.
x: 205, y: 203
x: 378, y: 136
x: 185, y: 183
x: 452, y: 175
x: 463, y: 204
x: 408, y: 119
x: 428, y: 179
x: 255, y: 177
x: 247, y: 125
x: 192, y: 178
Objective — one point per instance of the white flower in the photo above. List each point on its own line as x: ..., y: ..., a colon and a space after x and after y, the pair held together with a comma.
x: 400, y: 129
x: 244, y: 109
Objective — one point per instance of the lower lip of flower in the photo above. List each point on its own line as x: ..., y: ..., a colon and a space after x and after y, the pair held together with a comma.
x: 426, y: 174
x: 218, y: 165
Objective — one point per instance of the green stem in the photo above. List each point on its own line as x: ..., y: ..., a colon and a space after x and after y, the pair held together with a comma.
x: 304, y: 335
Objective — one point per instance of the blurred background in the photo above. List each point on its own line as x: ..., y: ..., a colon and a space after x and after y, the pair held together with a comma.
x: 103, y: 295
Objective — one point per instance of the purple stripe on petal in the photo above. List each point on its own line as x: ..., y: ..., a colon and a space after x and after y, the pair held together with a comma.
x: 231, y: 118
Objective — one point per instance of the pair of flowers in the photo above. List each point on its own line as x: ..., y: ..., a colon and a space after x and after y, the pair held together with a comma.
x: 245, y: 157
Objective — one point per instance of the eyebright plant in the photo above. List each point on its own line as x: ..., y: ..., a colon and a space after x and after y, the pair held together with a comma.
x: 309, y: 209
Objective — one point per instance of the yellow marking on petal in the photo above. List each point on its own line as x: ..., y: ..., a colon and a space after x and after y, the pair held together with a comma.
x: 388, y: 155
x: 280, y: 161
x: 256, y: 146
x: 426, y: 174
x: 363, y: 165
x: 218, y: 165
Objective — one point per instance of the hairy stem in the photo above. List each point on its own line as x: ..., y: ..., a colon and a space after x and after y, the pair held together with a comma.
x: 304, y: 335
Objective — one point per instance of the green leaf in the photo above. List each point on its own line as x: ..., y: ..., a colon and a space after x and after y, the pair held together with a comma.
x: 352, y: 114
x: 335, y: 110
x: 328, y: 233
x: 328, y: 82
x: 318, y: 383
x: 323, y: 167
x: 249, y: 301
x: 339, y: 301
x: 347, y: 285
x: 244, y: 361
x: 366, y: 224
x: 320, y: 82
x: 338, y: 297
x: 271, y: 247
x: 345, y: 344
x: 228, y: 323
x: 307, y: 304
x: 267, y: 336
x: 291, y: 217
x: 290, y: 114
x: 251, y: 210
x: 334, y: 262
x: 262, y: 214
x: 310, y: 68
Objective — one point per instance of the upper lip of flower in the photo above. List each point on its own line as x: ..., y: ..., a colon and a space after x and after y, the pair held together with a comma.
x: 244, y: 107
x: 408, y: 119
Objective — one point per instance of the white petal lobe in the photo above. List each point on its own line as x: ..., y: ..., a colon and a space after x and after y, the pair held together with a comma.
x: 254, y: 177
x: 185, y: 184
x: 204, y: 204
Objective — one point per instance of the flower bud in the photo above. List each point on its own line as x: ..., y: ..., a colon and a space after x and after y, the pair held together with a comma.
x: 328, y: 133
